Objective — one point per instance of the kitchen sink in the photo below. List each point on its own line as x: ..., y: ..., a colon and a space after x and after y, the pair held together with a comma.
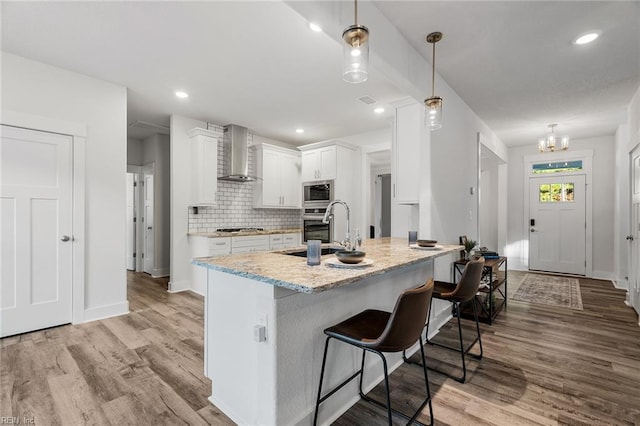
x: 303, y: 253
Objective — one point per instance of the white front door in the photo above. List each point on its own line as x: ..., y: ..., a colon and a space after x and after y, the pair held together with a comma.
x: 557, y: 227
x: 148, y: 224
x: 634, y: 236
x: 36, y: 225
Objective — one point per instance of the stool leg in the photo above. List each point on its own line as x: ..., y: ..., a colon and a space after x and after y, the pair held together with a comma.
x: 364, y: 352
x: 386, y: 386
x: 324, y: 361
x: 426, y: 381
x: 426, y: 336
x: 475, y: 314
x: 462, y: 353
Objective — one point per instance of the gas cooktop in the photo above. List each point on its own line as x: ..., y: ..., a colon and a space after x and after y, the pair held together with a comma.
x: 239, y: 229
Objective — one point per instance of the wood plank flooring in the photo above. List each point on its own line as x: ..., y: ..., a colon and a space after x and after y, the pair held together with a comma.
x: 541, y: 365
x: 144, y: 368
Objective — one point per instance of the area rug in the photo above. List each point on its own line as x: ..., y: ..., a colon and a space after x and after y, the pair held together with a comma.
x: 550, y: 290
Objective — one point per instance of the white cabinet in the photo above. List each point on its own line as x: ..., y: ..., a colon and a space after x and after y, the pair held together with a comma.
x: 278, y: 172
x: 292, y: 240
x: 283, y: 241
x: 204, y: 166
x: 206, y: 247
x: 408, y: 133
x: 249, y: 244
x: 319, y: 164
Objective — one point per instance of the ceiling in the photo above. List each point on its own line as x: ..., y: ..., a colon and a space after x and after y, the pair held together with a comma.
x: 257, y: 64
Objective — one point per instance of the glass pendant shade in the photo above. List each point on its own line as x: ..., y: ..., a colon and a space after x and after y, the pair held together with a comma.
x: 548, y: 143
x: 433, y: 112
x: 356, y: 54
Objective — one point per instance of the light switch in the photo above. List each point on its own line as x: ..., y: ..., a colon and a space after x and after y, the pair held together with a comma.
x: 259, y: 333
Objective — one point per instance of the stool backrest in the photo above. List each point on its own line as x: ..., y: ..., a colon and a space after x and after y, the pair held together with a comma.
x: 469, y: 283
x: 407, y: 319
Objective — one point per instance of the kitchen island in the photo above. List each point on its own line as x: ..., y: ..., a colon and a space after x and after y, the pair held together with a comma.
x: 264, y: 319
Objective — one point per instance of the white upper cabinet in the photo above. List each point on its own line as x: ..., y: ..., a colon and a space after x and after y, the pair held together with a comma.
x: 408, y: 132
x: 278, y: 171
x: 204, y: 161
x: 319, y: 164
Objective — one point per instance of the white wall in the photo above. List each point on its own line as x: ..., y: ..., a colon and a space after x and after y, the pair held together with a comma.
x: 156, y: 149
x: 134, y: 152
x: 180, y: 164
x: 454, y: 170
x: 31, y: 87
x: 603, y: 203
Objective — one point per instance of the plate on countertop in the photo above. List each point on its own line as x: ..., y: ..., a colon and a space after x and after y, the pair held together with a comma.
x: 335, y: 263
x: 417, y: 247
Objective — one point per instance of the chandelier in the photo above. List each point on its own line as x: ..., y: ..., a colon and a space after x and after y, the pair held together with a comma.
x: 433, y: 104
x: 356, y: 52
x: 550, y: 142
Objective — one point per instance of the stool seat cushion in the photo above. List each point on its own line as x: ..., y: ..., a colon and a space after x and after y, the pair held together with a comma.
x: 442, y: 290
x: 362, y: 329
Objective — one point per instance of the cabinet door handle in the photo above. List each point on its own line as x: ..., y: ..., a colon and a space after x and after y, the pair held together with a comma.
x: 221, y: 244
x: 394, y: 190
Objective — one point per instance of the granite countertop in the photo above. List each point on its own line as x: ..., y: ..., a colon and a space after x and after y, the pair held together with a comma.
x: 244, y: 233
x: 292, y: 272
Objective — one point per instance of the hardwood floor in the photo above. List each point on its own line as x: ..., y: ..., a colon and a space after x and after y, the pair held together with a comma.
x: 541, y: 365
x: 144, y: 368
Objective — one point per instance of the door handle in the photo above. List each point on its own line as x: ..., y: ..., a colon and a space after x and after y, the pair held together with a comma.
x: 630, y: 237
x: 533, y: 229
x: 149, y: 228
x: 65, y: 238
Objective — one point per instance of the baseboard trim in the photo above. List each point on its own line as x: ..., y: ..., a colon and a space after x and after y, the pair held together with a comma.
x: 178, y: 286
x: 106, y: 311
x: 160, y: 272
x: 621, y: 284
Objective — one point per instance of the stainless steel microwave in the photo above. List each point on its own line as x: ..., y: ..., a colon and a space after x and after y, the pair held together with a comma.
x: 317, y: 194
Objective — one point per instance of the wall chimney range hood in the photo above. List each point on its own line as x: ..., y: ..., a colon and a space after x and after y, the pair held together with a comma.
x: 235, y: 166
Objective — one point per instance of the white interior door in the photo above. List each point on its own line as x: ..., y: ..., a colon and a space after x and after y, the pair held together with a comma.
x: 131, y: 222
x: 634, y: 237
x: 149, y: 242
x: 36, y: 225
x: 557, y: 227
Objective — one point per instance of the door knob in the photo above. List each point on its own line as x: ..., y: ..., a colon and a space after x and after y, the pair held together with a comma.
x: 65, y: 238
x: 630, y: 237
x: 533, y: 230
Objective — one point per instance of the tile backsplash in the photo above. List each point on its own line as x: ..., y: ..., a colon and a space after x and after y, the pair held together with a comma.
x: 233, y: 207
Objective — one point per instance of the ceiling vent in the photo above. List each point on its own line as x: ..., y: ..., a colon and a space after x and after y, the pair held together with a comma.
x: 367, y: 100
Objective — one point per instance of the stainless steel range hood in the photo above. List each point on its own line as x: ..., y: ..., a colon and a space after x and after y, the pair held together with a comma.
x: 235, y: 144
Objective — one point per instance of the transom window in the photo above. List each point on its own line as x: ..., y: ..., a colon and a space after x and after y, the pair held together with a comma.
x: 556, y: 192
x: 557, y: 167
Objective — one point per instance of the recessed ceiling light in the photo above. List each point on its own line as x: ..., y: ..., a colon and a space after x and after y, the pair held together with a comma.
x: 587, y: 37
x: 379, y: 110
x: 299, y: 131
x: 315, y: 27
x: 182, y: 95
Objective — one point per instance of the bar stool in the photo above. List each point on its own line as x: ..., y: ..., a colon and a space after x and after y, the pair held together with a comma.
x: 464, y: 291
x: 378, y: 331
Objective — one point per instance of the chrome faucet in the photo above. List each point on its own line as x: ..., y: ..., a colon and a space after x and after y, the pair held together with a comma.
x: 347, y: 243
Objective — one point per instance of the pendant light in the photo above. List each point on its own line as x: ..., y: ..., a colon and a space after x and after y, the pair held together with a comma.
x: 356, y: 52
x: 434, y: 103
x: 548, y: 143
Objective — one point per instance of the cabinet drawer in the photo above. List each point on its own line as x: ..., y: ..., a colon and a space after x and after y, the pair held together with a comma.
x: 291, y: 240
x: 276, y: 239
x: 219, y: 246
x: 249, y: 243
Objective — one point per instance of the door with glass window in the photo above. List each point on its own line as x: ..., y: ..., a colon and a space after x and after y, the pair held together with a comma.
x: 557, y: 224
